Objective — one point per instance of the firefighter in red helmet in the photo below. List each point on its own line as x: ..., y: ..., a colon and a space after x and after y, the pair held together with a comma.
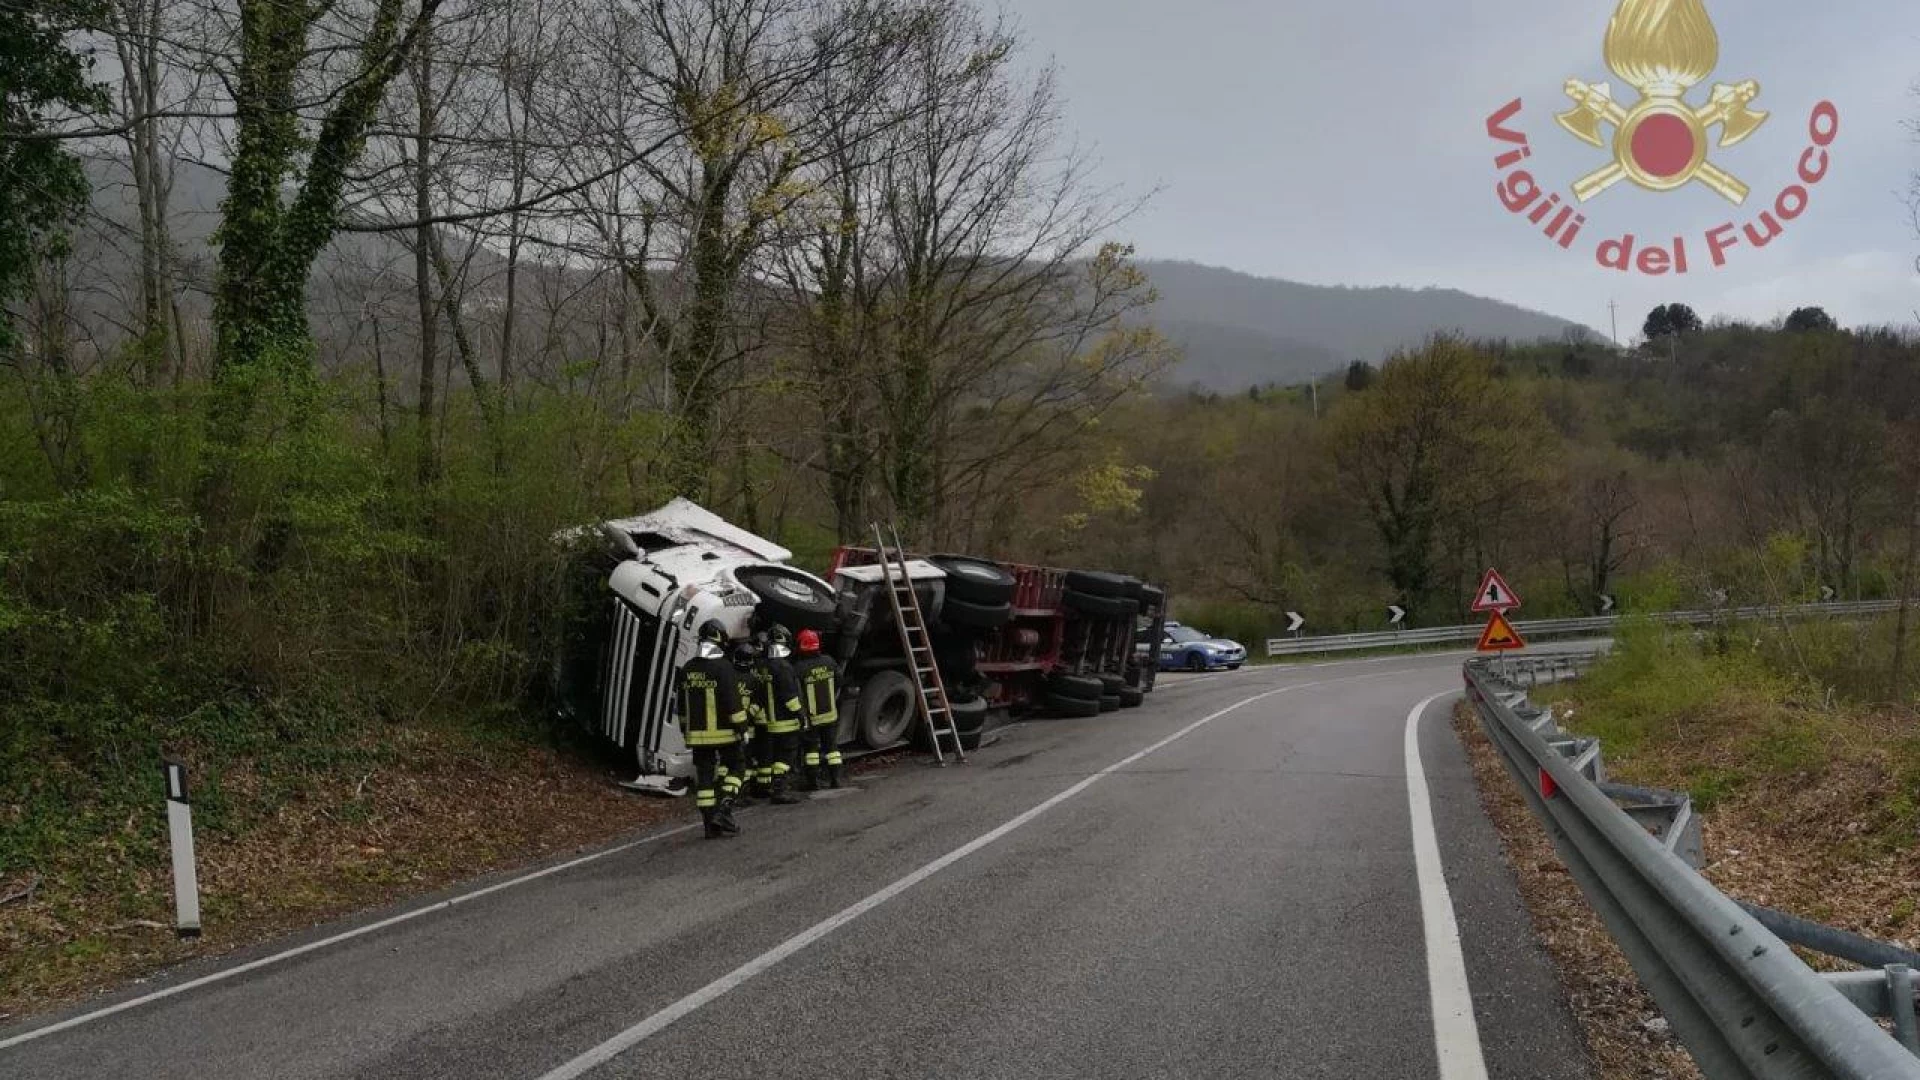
x: 819, y: 694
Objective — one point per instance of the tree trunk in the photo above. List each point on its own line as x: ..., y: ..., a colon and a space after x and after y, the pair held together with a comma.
x: 267, y: 244
x: 511, y: 300
x: 57, y: 424
x: 454, y: 294
x: 256, y: 307
x: 913, y: 466
x: 516, y: 222
x: 839, y: 375
x: 428, y: 465
x: 380, y: 387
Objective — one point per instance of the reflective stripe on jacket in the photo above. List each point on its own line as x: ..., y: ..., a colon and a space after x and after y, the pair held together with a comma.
x: 820, y: 689
x: 777, y: 696
x: 711, y: 712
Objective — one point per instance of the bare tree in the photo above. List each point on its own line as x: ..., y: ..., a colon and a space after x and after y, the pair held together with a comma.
x: 1601, y: 535
x: 723, y: 83
x: 154, y: 84
x: 1002, y: 306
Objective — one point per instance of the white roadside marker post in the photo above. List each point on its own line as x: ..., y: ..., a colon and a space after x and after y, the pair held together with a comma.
x: 186, y: 885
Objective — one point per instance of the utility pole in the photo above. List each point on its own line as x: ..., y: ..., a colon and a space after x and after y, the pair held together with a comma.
x: 1315, y: 385
x: 1613, y: 320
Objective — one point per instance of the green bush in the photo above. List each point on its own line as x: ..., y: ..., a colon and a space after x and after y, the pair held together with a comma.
x: 1659, y: 680
x: 1249, y: 624
x: 329, y: 597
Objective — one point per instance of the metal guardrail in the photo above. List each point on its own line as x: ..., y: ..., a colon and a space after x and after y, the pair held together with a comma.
x: 1590, y: 626
x: 1746, y: 1007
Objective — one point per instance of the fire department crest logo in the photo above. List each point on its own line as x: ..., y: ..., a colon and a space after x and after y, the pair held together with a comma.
x: 1660, y: 140
x: 1663, y: 49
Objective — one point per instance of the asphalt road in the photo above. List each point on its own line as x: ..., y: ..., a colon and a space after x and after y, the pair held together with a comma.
x: 1240, y: 900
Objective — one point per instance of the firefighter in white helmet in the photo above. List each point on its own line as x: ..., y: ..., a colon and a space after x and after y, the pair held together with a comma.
x: 773, y: 695
x: 713, y: 720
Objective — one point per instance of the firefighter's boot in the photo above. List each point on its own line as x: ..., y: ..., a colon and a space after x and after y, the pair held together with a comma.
x: 833, y: 775
x: 723, y: 820
x: 809, y: 778
x: 778, y: 794
x: 710, y: 822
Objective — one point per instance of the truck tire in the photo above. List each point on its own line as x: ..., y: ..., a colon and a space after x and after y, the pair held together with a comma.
x: 1111, y: 684
x: 1095, y: 583
x: 974, y: 616
x: 969, y: 716
x: 1131, y: 698
x: 969, y: 713
x: 1152, y: 598
x: 1110, y: 703
x: 971, y: 738
x: 1100, y: 607
x: 1136, y: 590
x: 977, y: 581
x: 1078, y: 687
x: 1072, y: 706
x: 884, y: 713
x: 795, y: 600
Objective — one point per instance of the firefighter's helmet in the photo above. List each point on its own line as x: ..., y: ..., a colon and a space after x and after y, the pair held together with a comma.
x: 808, y: 642
x: 779, y: 641
x: 713, y: 640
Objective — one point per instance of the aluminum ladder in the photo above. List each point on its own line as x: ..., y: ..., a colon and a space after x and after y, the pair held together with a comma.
x: 929, y: 691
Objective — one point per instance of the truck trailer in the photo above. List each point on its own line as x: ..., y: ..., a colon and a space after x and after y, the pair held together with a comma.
x: 1009, y: 639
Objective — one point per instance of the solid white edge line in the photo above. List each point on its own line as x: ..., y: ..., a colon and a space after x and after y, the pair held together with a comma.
x: 1456, y: 1037
x: 660, y: 1021
x: 347, y: 935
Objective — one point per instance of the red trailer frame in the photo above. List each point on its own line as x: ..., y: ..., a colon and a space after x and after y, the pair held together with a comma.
x: 1019, y: 656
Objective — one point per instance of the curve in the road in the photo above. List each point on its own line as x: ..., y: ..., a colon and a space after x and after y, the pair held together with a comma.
x: 1238, y: 896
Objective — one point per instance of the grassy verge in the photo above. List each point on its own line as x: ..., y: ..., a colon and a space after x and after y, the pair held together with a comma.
x: 1810, y: 797
x: 1760, y: 747
x: 287, y: 840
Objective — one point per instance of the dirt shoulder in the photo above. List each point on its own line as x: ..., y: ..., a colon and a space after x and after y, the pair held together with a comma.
x: 438, y: 808
x: 1624, y: 1031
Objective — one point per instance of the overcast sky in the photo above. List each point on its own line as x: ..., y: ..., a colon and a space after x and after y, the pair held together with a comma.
x: 1344, y: 142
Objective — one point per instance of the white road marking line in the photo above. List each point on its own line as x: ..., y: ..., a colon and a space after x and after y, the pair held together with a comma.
x: 312, y: 946
x: 1456, y: 1038
x: 663, y: 1019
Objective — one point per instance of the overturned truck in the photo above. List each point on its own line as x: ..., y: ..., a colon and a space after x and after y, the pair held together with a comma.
x: 1009, y: 639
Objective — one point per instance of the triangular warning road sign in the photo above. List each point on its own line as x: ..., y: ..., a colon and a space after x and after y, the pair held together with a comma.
x: 1500, y: 636
x: 1495, y: 594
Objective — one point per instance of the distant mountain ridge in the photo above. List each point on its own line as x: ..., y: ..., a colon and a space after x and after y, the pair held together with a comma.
x: 1237, y: 330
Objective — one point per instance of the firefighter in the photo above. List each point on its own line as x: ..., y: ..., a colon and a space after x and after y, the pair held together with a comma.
x: 776, y: 715
x: 819, y: 691
x: 713, y: 718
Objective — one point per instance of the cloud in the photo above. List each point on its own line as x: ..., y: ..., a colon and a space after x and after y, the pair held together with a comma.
x: 1344, y: 144
x: 1862, y: 288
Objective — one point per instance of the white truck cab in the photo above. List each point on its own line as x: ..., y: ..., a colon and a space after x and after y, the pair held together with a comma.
x: 677, y: 567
